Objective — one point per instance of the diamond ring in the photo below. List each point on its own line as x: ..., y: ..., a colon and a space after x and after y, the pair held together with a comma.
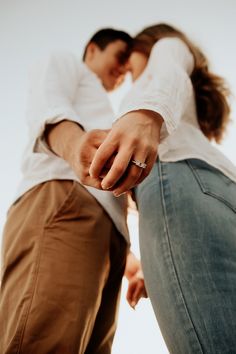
x: 139, y: 163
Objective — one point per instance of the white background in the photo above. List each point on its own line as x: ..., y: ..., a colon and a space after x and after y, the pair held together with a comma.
x: 30, y: 29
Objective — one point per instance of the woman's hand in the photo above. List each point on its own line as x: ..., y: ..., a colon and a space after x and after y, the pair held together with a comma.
x: 136, y: 289
x: 135, y: 136
x: 134, y: 274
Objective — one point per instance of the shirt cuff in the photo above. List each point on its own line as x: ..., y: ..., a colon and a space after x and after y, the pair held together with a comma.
x: 54, y: 118
x: 162, y: 110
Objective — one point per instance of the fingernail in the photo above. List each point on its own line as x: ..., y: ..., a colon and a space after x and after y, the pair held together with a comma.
x: 118, y: 194
x: 133, y: 304
x: 91, y: 174
x: 105, y: 186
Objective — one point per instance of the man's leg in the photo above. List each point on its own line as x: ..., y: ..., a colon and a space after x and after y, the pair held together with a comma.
x: 106, y: 321
x: 56, y: 261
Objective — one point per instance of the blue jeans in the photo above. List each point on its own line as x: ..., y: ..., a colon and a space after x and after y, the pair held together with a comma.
x: 188, y: 251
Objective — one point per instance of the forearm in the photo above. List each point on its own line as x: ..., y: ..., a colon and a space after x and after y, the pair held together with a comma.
x: 62, y: 136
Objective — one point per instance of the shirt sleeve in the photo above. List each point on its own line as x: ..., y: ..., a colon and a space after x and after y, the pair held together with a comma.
x: 53, y: 87
x: 164, y: 86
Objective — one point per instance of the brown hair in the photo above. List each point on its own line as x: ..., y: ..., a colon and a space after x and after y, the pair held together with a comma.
x: 106, y: 36
x: 211, y: 92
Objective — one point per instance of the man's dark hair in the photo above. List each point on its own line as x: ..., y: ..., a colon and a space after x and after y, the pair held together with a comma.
x: 108, y: 35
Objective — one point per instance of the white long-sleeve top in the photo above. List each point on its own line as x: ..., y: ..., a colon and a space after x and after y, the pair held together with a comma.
x: 63, y: 87
x: 165, y: 87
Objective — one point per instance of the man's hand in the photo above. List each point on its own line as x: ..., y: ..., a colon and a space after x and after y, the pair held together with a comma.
x: 82, y: 154
x: 135, y: 136
x: 134, y: 274
x: 68, y: 140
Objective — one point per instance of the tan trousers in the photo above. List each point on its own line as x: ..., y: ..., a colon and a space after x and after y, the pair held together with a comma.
x: 63, y: 262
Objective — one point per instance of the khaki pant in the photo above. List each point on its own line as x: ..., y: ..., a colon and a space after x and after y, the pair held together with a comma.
x: 63, y: 262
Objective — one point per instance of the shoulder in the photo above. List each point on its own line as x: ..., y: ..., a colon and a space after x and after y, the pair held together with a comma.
x: 172, y: 49
x: 170, y: 44
x: 66, y: 58
x: 55, y: 69
x: 58, y: 61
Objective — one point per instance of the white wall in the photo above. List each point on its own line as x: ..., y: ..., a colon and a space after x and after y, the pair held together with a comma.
x: 30, y: 29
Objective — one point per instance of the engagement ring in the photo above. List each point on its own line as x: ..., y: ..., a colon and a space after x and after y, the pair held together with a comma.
x: 139, y: 163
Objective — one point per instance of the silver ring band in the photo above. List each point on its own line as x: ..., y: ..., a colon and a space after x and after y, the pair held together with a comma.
x: 139, y: 163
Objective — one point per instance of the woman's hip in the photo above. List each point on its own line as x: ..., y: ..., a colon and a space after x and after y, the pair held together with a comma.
x: 188, y: 251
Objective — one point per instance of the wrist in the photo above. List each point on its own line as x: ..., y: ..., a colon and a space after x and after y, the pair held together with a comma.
x: 155, y: 117
x: 62, y: 138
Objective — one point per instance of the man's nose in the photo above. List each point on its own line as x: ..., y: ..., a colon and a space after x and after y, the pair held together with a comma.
x: 127, y: 66
x: 124, y: 68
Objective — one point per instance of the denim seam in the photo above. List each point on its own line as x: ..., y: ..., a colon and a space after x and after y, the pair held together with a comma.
x: 172, y: 259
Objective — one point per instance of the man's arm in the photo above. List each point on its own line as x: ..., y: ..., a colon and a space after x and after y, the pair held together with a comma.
x: 62, y: 138
x: 52, y: 88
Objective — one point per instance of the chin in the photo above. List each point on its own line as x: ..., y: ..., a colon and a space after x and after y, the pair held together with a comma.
x: 109, y: 87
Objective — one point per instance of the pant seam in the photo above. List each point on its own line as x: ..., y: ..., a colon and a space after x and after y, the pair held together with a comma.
x: 34, y: 281
x: 183, y: 301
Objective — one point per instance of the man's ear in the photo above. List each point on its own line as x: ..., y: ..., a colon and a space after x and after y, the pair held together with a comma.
x: 91, y: 50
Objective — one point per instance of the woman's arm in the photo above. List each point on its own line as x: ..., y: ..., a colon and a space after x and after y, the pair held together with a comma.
x: 159, y: 97
x: 134, y: 137
x: 134, y: 275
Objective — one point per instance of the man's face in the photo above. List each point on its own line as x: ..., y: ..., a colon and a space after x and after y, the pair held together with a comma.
x: 108, y: 64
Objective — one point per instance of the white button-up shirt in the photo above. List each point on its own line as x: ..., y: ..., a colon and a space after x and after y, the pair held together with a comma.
x: 63, y: 87
x: 165, y: 87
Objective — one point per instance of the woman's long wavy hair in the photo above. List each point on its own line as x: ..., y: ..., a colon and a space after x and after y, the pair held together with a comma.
x: 211, y: 92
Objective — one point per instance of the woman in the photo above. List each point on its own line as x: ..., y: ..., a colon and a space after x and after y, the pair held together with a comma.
x: 187, y: 204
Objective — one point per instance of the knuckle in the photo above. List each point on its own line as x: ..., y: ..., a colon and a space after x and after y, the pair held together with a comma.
x: 144, y: 146
x: 153, y: 150
x: 94, y: 132
x: 82, y: 179
x: 83, y: 175
x: 118, y: 169
x: 135, y: 141
x: 111, y: 146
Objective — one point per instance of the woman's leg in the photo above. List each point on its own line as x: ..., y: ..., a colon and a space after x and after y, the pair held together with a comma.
x: 188, y: 250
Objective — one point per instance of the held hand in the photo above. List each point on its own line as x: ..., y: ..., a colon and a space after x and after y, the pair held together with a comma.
x: 136, y: 289
x: 135, y: 136
x: 82, y: 153
x: 69, y: 141
x: 134, y: 274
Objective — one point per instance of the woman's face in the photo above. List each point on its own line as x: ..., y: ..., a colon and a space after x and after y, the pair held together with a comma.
x: 137, y: 63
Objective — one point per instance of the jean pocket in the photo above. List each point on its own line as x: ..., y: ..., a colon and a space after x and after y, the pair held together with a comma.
x: 214, y: 183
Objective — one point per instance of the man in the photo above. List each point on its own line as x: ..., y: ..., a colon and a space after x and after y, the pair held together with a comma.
x: 65, y: 246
